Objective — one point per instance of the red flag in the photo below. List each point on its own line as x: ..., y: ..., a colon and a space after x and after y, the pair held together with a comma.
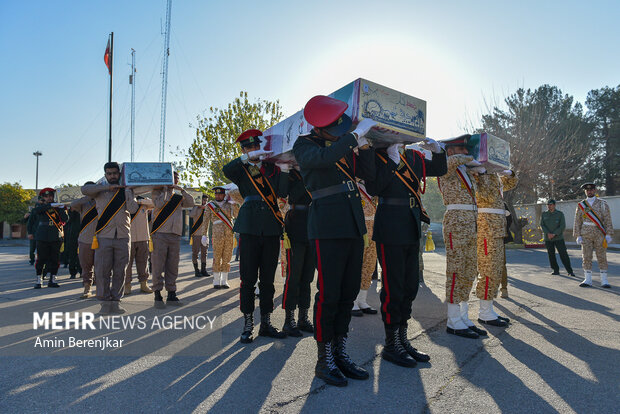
x: 107, y: 57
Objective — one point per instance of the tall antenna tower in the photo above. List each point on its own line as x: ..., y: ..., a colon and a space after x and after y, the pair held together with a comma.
x: 132, y: 82
x: 164, y: 83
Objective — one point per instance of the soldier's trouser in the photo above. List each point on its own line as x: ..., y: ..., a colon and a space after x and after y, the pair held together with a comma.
x: 140, y: 252
x: 461, y: 263
x: 490, y: 264
x: 110, y: 263
x: 400, y: 280
x: 561, y: 246
x: 72, y: 257
x: 87, y: 260
x: 370, y: 260
x: 165, y: 260
x: 299, y: 274
x: 222, y: 251
x: 504, y: 279
x: 339, y: 265
x: 197, y: 247
x: 33, y: 247
x: 48, y: 255
x: 593, y: 241
x: 259, y: 261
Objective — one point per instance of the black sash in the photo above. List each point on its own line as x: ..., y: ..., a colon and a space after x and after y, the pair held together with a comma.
x: 165, y: 213
x: 114, y: 206
x: 197, y: 224
x: 90, y: 215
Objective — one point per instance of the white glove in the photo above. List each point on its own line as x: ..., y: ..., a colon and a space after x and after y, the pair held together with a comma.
x: 478, y: 170
x: 258, y: 154
x: 394, y: 153
x: 363, y: 127
x: 431, y: 145
x: 579, y: 240
x: 204, y: 241
x: 284, y: 167
x: 608, y: 238
x: 473, y: 163
x: 362, y: 141
x: 297, y: 167
x: 505, y: 172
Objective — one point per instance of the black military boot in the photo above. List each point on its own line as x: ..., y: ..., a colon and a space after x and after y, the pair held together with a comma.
x: 343, y: 361
x: 290, y: 326
x: 196, y: 271
x: 52, y: 282
x: 303, y: 323
x: 159, y: 301
x: 417, y: 355
x: 172, y: 299
x: 203, y: 269
x: 246, y: 335
x: 393, y: 350
x: 267, y: 329
x: 326, y: 368
x: 73, y: 275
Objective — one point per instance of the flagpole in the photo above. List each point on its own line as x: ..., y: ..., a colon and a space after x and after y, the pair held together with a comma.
x: 111, y: 72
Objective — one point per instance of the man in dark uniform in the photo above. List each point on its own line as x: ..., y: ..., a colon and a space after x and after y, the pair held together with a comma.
x: 397, y: 234
x: 72, y: 231
x: 259, y: 225
x: 336, y: 226
x: 31, y: 228
x: 300, y: 258
x: 48, y: 236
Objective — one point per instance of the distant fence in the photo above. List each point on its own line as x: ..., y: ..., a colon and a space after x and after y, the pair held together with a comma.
x: 532, y: 232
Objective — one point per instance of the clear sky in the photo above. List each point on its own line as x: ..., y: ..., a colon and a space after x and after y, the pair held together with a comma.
x: 459, y: 56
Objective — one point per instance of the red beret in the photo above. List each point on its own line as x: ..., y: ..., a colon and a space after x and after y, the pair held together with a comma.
x: 250, y: 137
x: 46, y: 190
x: 322, y: 111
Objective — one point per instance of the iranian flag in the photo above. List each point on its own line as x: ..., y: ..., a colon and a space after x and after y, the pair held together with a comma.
x: 107, y: 57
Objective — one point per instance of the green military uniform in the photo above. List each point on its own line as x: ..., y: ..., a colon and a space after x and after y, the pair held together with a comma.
x: 555, y: 223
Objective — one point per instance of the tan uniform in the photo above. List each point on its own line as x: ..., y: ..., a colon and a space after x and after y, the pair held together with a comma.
x: 167, y: 240
x: 222, y: 235
x: 592, y: 236
x: 369, y: 263
x: 86, y: 254
x: 113, y: 252
x: 491, y: 231
x: 197, y: 246
x: 459, y: 229
x: 139, y: 250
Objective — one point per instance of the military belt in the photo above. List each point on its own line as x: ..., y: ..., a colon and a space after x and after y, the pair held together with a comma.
x: 589, y: 223
x: 334, y: 189
x: 492, y: 211
x: 470, y: 207
x: 410, y: 202
x: 253, y: 198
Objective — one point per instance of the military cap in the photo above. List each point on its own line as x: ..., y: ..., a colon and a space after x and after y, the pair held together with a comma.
x: 46, y: 191
x: 588, y: 186
x: 249, y: 137
x: 219, y: 190
x: 551, y: 201
x: 328, y: 113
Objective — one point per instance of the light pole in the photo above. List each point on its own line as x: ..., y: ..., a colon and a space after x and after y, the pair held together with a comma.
x: 37, y: 154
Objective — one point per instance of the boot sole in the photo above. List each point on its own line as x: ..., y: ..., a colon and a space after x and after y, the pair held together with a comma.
x: 173, y: 303
x: 396, y: 360
x: 246, y: 341
x: 329, y: 381
x: 495, y: 322
x: 295, y: 334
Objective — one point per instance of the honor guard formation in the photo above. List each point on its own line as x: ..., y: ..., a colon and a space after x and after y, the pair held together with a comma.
x: 343, y: 210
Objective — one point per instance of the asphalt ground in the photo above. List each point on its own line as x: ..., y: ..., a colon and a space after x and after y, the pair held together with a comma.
x: 561, y: 353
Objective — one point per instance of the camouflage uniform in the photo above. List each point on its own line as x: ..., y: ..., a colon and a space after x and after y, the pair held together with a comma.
x: 370, y: 253
x: 593, y: 238
x: 222, y: 235
x: 491, y: 231
x: 459, y: 230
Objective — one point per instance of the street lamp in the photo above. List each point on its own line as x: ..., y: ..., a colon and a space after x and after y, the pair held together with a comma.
x: 37, y: 154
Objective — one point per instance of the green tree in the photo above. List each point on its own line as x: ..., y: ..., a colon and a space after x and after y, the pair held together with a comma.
x: 548, y: 135
x: 14, y: 202
x: 214, y: 145
x: 432, y: 201
x: 604, y: 113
